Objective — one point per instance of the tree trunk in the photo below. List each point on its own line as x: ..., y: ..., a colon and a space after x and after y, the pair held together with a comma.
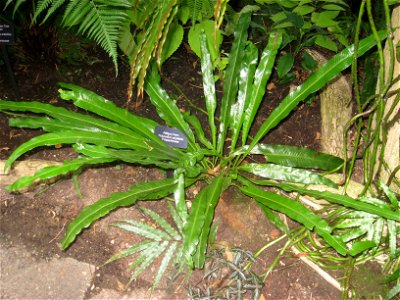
x: 391, y: 156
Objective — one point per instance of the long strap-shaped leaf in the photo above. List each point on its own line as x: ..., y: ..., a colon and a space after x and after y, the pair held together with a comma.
x: 345, y: 201
x: 47, y: 124
x: 293, y: 156
x: 261, y: 77
x: 297, y: 212
x: 91, y: 213
x: 165, y: 106
x: 90, y: 101
x: 53, y: 171
x: 316, y: 81
x: 199, y: 221
x: 208, y: 86
x: 141, y: 157
x: 289, y: 174
x: 247, y: 71
x: 74, y: 136
x: 199, y: 255
x: 65, y: 116
x: 231, y: 80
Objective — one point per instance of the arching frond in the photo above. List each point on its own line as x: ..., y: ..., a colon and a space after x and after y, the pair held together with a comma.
x: 99, y: 20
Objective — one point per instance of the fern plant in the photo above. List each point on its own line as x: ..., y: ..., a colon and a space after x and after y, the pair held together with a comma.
x: 99, y: 20
x: 163, y: 239
x: 122, y: 136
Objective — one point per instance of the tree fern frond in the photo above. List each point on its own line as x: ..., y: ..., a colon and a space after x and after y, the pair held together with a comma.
x: 99, y: 20
x: 199, y: 9
x: 41, y: 6
x: 56, y: 4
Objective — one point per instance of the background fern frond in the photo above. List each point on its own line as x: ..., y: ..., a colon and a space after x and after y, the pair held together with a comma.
x: 199, y: 9
x: 99, y: 20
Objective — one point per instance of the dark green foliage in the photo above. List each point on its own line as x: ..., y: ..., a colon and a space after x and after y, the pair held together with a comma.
x: 121, y: 136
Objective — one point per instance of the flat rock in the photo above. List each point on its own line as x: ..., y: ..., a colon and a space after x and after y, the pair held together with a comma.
x: 24, y: 276
x: 22, y: 168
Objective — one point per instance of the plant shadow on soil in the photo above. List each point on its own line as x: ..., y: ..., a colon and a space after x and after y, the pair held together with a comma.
x: 38, y: 218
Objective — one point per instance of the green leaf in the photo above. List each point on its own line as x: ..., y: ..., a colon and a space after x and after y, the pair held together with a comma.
x: 47, y: 124
x: 325, y: 42
x: 173, y: 40
x: 53, y: 171
x: 395, y: 275
x: 132, y: 250
x: 308, y: 61
x: 165, y: 106
x: 71, y: 137
x: 90, y: 101
x: 390, y: 194
x: 177, y: 219
x: 348, y: 223
x: 199, y: 255
x: 278, y: 17
x: 295, y: 19
x: 179, y: 195
x: 271, y: 216
x: 231, y: 80
x: 395, y: 290
x: 143, y: 229
x: 213, y: 39
x: 261, y: 77
x: 333, y: 7
x: 199, y: 221
x: 66, y: 117
x: 91, y: 213
x: 169, y: 254
x: 303, y: 10
x: 391, y: 227
x: 147, y: 157
x: 288, y: 174
x: 297, y: 212
x: 285, y: 64
x: 162, y: 223
x: 148, y: 256
x: 198, y: 128
x: 208, y: 86
x: 316, y: 81
x: 298, y: 157
x: 360, y: 247
x: 324, y: 19
x: 345, y: 201
x: 247, y: 72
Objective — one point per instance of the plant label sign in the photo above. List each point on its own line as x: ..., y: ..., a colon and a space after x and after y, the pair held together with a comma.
x: 6, y: 34
x: 171, y: 136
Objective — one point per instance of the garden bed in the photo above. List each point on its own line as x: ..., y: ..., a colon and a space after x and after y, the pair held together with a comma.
x: 38, y: 218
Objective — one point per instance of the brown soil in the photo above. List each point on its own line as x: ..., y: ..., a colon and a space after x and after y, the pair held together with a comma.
x: 39, y: 217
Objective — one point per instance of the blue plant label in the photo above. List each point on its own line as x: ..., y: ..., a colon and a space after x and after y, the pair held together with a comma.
x: 171, y: 136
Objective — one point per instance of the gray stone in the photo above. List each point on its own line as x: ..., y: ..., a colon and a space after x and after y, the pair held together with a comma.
x: 24, y: 276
